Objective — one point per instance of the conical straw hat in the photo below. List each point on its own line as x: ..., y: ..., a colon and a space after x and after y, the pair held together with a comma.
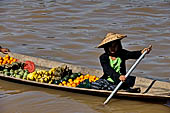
x: 110, y: 37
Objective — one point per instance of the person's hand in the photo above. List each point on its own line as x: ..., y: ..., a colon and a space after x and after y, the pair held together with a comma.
x: 148, y: 49
x: 4, y: 50
x: 122, y: 78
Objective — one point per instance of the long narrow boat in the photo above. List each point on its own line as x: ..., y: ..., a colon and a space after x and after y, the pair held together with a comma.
x: 152, y: 89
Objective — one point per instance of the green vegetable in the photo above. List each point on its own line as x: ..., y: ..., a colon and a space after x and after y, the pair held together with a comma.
x: 7, y: 73
x: 18, y: 76
x: 74, y: 75
x: 11, y: 70
x: 16, y: 71
x: 14, y: 75
x: 11, y: 73
x: 57, y: 82
x: 66, y: 78
x: 21, y: 73
x: 5, y: 70
x: 25, y: 75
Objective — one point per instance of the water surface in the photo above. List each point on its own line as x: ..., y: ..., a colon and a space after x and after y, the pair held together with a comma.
x: 68, y: 31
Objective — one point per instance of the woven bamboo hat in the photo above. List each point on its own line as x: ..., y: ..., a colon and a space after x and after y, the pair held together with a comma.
x: 109, y: 38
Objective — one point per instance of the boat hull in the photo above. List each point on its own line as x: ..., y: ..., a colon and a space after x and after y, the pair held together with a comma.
x: 149, y: 88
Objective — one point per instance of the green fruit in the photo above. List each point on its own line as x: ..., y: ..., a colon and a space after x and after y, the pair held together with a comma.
x: 79, y: 74
x: 74, y: 75
x: 18, y: 76
x: 26, y: 71
x: 11, y: 73
x: 14, y: 75
x: 66, y: 78
x: 21, y: 73
x: 5, y: 70
x: 16, y: 71
x: 7, y: 73
x: 11, y: 70
x: 25, y: 75
x: 57, y: 82
x: 61, y: 81
x: 20, y: 70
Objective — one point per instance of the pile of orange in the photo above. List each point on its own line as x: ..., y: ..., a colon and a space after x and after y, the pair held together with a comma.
x: 7, y: 60
x: 78, y: 80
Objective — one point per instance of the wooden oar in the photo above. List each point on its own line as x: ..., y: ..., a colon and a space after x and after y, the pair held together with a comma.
x: 128, y: 73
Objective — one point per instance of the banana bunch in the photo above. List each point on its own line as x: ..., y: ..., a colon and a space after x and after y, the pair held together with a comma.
x: 50, y: 76
x: 42, y: 76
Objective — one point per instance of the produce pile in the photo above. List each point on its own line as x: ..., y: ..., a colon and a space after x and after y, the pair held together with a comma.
x: 7, y: 60
x: 14, y: 70
x: 61, y: 75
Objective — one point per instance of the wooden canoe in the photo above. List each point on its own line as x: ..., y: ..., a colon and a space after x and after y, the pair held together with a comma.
x: 153, y: 89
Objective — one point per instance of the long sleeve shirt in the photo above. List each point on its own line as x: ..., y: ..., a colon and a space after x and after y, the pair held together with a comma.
x: 123, y: 55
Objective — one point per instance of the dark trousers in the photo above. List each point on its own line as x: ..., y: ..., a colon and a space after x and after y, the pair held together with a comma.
x: 129, y: 82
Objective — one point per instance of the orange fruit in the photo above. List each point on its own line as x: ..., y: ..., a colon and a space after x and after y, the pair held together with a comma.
x: 7, y: 56
x: 14, y: 60
x: 94, y: 77
x: 11, y: 58
x: 0, y: 61
x: 8, y: 61
x: 69, y: 85
x: 77, y: 81
x: 90, y: 80
x: 82, y: 76
x: 70, y: 80
x: 87, y: 75
x: 60, y: 84
x: 73, y: 85
x: 97, y: 78
x: 64, y: 82
x: 78, y: 78
x: 81, y: 80
x: 4, y: 62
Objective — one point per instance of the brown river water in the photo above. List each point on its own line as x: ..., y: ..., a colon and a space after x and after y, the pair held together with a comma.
x: 68, y: 31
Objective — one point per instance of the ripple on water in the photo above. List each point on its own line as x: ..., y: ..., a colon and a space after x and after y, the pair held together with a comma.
x: 35, y: 101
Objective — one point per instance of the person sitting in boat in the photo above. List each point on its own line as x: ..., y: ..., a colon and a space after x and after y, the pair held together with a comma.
x: 4, y: 50
x: 113, y: 60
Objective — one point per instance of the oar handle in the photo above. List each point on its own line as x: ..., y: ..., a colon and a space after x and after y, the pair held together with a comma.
x: 127, y: 74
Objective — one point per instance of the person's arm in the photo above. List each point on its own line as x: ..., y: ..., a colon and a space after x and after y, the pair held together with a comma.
x: 132, y: 54
x: 107, y: 69
x: 4, y: 50
x: 136, y: 54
